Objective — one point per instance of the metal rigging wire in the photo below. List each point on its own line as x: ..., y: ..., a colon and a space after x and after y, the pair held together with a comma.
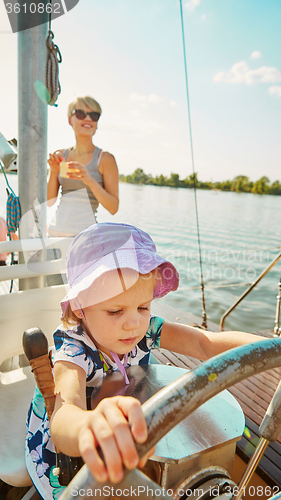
x: 204, y: 314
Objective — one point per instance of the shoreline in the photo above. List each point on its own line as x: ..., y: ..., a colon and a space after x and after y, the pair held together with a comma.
x: 240, y: 183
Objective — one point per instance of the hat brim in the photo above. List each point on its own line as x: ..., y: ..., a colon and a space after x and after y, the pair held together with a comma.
x: 168, y: 279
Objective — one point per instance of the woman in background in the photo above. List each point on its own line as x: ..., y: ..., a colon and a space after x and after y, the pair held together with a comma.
x: 91, y: 176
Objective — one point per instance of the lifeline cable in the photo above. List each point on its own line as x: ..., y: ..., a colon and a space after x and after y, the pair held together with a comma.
x: 204, y: 314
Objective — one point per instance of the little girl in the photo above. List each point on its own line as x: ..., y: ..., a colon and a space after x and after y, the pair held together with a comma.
x: 114, y: 273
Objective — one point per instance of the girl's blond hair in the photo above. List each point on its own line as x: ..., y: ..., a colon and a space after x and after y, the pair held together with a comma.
x: 83, y: 103
x: 70, y: 319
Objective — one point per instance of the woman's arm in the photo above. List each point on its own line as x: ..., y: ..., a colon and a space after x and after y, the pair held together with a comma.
x: 78, y: 432
x: 53, y: 182
x: 201, y: 344
x: 109, y: 170
x: 107, y: 196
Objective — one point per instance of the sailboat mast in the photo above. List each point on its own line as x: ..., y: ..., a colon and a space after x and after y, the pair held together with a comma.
x: 32, y: 134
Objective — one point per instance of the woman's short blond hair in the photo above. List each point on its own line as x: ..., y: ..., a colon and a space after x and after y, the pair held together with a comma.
x: 84, y: 103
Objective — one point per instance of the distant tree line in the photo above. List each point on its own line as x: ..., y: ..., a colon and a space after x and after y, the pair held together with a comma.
x: 240, y: 183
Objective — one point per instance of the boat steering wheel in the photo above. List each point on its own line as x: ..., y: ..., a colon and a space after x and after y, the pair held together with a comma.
x: 175, y: 402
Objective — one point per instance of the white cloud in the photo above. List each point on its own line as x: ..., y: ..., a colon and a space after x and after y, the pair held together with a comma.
x: 142, y: 98
x: 255, y: 55
x: 275, y: 90
x: 241, y: 73
x: 135, y: 113
x: 191, y: 4
x: 135, y: 125
x: 203, y: 17
x: 173, y: 103
x: 137, y: 97
x: 154, y: 98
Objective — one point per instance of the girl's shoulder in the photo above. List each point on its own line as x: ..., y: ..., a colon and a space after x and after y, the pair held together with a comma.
x: 73, y: 337
x: 155, y: 325
x: 73, y: 345
x: 64, y: 332
x: 153, y: 334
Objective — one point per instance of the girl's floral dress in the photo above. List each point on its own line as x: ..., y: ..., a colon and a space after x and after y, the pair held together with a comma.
x: 76, y: 347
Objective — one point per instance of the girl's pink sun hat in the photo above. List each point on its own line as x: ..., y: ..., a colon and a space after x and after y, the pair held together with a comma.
x: 108, y: 247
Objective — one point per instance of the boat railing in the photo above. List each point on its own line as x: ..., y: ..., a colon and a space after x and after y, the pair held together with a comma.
x: 52, y: 262
x: 249, y: 289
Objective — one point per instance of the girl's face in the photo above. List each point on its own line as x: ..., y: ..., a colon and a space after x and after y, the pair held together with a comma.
x: 119, y: 323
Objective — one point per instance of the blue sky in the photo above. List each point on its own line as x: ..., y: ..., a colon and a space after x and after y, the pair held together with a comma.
x: 128, y: 55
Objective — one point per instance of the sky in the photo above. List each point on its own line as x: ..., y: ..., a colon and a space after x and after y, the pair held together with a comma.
x: 128, y: 55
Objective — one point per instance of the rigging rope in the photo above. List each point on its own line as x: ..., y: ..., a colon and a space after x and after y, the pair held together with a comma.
x: 13, y: 215
x: 12, y: 207
x: 204, y: 314
x: 54, y: 58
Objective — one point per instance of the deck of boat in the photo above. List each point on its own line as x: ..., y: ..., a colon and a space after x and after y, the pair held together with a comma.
x: 253, y: 395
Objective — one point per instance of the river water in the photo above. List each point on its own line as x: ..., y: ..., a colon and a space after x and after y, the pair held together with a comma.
x: 240, y: 235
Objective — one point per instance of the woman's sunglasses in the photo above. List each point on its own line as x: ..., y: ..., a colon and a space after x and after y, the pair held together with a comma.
x: 81, y: 115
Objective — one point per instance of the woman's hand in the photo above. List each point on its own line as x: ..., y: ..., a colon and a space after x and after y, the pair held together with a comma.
x: 53, y: 182
x: 107, y: 195
x: 54, y: 162
x: 79, y: 172
x: 107, y: 427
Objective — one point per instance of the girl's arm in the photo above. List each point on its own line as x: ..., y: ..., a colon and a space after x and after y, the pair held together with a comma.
x: 53, y: 182
x: 78, y: 432
x: 107, y: 196
x: 201, y: 344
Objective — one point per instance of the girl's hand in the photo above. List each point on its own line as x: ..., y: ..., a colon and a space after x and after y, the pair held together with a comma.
x: 54, y: 162
x: 108, y: 428
x: 79, y: 172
